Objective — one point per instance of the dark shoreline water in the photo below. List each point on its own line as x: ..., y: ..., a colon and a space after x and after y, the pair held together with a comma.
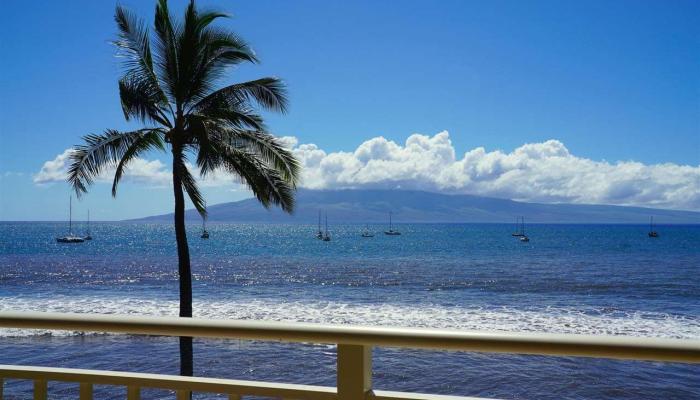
x: 597, y: 279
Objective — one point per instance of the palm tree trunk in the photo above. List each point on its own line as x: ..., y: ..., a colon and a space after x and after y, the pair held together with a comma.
x: 184, y: 270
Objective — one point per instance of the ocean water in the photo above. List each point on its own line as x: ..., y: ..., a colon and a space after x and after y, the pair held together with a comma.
x: 592, y: 279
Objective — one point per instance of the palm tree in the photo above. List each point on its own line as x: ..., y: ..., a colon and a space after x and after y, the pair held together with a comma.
x: 172, y: 91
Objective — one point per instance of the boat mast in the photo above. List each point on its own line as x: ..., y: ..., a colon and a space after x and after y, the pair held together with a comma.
x: 523, y: 230
x: 651, y: 223
x: 204, y: 218
x: 70, y: 216
x: 390, y: 227
x: 326, y: 224
x: 88, y: 223
x: 319, y: 220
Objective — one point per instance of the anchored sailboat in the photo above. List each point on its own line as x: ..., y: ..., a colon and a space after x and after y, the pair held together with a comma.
x: 70, y: 237
x: 88, y: 237
x: 391, y: 231
x: 366, y: 233
x: 319, y: 234
x: 326, y: 236
x: 523, y: 236
x: 519, y: 228
x: 652, y: 232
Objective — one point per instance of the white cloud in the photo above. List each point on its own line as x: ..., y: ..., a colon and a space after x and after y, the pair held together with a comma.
x: 150, y: 172
x: 54, y: 170
x: 288, y: 141
x: 540, y: 172
x: 153, y: 173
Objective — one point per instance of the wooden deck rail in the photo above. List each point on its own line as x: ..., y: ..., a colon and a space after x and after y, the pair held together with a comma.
x: 354, y: 352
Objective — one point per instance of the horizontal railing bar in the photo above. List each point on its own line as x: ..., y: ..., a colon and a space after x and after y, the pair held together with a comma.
x: 171, y: 382
x: 389, y: 395
x: 618, y: 347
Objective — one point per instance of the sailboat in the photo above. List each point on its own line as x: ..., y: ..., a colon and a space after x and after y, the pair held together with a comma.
x: 319, y: 234
x: 523, y: 236
x: 652, y: 233
x: 70, y: 237
x: 326, y: 236
x: 391, y: 231
x: 518, y: 227
x: 205, y: 234
x: 88, y: 237
x: 366, y: 233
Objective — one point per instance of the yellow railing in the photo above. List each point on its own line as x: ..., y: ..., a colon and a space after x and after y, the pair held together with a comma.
x: 354, y: 359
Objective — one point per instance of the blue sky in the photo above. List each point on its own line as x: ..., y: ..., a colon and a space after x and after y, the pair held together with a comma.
x: 612, y: 81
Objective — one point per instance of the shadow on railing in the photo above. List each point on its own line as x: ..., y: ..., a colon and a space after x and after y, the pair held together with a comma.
x: 354, y: 368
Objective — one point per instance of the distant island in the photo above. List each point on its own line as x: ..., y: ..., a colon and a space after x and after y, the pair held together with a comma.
x: 373, y: 206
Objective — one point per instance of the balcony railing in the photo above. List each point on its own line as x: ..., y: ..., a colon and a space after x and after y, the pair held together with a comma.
x: 354, y: 355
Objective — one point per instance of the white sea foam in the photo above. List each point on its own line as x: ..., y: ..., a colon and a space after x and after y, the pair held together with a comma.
x: 550, y: 319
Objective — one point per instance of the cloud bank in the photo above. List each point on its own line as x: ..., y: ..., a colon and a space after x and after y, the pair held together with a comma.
x: 536, y: 172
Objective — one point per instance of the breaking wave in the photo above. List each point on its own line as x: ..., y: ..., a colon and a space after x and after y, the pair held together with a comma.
x: 606, y: 321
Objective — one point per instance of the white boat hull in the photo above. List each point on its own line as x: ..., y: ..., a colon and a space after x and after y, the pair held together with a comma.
x: 70, y: 239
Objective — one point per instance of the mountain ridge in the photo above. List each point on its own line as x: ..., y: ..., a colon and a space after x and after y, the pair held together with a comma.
x: 373, y: 205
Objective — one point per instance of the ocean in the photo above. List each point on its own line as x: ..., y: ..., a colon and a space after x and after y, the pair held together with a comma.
x: 590, y: 279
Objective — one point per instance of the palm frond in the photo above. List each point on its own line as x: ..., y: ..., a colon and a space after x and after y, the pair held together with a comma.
x: 207, y: 17
x: 166, y: 44
x: 134, y: 45
x: 89, y: 160
x: 140, y: 99
x: 148, y: 140
x: 267, y: 92
x: 233, y: 117
x: 224, y: 49
x: 189, y: 183
x: 163, y: 23
x: 133, y: 40
x: 218, y: 50
x: 208, y: 158
x: 269, y: 150
x: 189, y: 54
x: 264, y: 181
x: 205, y: 54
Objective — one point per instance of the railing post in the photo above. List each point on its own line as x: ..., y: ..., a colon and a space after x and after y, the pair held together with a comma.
x: 354, y: 371
x: 40, y: 389
x: 133, y: 393
x: 86, y: 391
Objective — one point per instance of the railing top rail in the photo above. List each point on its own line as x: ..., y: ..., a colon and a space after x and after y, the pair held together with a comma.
x: 619, y: 347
